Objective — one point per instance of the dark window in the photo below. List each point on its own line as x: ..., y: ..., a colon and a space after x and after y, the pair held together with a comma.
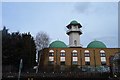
x: 50, y: 62
x: 74, y: 54
x: 74, y: 62
x: 87, y: 63
x: 51, y: 54
x: 103, y: 63
x: 102, y: 54
x: 75, y: 42
x: 87, y: 54
x: 62, y: 54
x: 62, y: 63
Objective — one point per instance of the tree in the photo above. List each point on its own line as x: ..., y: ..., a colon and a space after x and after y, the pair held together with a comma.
x: 42, y: 40
x: 16, y: 46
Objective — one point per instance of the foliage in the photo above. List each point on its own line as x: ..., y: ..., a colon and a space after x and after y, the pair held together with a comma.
x: 16, y: 46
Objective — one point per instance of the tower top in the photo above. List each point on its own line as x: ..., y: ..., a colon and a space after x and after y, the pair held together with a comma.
x: 74, y: 22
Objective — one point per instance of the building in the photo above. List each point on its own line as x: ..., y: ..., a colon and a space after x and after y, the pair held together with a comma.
x: 60, y: 57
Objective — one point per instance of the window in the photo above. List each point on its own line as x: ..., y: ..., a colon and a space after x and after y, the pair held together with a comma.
x: 103, y: 63
x: 103, y: 59
x: 75, y: 59
x: 87, y: 59
x: 74, y: 62
x: 102, y: 54
x: 87, y: 63
x: 75, y: 42
x: 62, y: 63
x: 74, y: 54
x: 62, y: 58
x: 51, y: 54
x: 62, y: 54
x: 51, y: 58
x: 50, y: 62
x: 87, y: 53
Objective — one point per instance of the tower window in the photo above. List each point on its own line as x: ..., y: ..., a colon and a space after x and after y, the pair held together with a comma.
x: 75, y: 42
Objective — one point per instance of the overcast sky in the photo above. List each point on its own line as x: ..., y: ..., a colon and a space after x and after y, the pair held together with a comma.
x: 99, y: 20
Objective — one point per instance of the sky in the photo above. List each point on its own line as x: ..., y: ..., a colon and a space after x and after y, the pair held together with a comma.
x: 99, y: 20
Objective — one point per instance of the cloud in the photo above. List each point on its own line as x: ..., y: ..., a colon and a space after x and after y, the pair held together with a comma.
x: 82, y: 7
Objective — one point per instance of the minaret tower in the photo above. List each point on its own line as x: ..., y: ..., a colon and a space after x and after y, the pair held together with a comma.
x: 74, y: 33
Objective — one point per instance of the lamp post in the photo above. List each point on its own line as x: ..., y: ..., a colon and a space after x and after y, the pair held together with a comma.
x: 20, y: 67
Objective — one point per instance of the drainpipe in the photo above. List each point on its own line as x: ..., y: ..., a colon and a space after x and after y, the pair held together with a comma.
x: 94, y: 59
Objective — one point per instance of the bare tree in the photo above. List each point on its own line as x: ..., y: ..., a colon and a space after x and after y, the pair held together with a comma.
x: 42, y: 40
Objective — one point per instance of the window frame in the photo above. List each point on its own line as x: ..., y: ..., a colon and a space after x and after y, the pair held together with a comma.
x: 51, y: 54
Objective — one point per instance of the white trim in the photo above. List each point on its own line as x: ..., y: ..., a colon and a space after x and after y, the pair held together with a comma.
x: 87, y: 59
x: 103, y: 59
x: 62, y: 51
x: 51, y: 51
x: 102, y: 51
x: 62, y: 58
x: 74, y: 51
x: 51, y: 58
x: 86, y: 51
x: 75, y: 59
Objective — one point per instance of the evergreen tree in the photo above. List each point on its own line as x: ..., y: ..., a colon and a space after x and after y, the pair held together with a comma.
x: 16, y: 46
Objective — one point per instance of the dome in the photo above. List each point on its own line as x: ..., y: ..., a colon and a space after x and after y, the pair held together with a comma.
x: 74, y: 22
x: 96, y: 44
x: 58, y: 44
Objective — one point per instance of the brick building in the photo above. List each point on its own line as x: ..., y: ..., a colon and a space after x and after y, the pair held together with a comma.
x: 60, y: 57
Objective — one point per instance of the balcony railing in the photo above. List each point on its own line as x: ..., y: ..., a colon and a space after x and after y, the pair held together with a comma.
x: 76, y: 30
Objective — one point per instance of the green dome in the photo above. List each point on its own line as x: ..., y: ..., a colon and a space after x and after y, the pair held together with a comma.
x: 58, y: 44
x: 96, y: 44
x: 74, y: 22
